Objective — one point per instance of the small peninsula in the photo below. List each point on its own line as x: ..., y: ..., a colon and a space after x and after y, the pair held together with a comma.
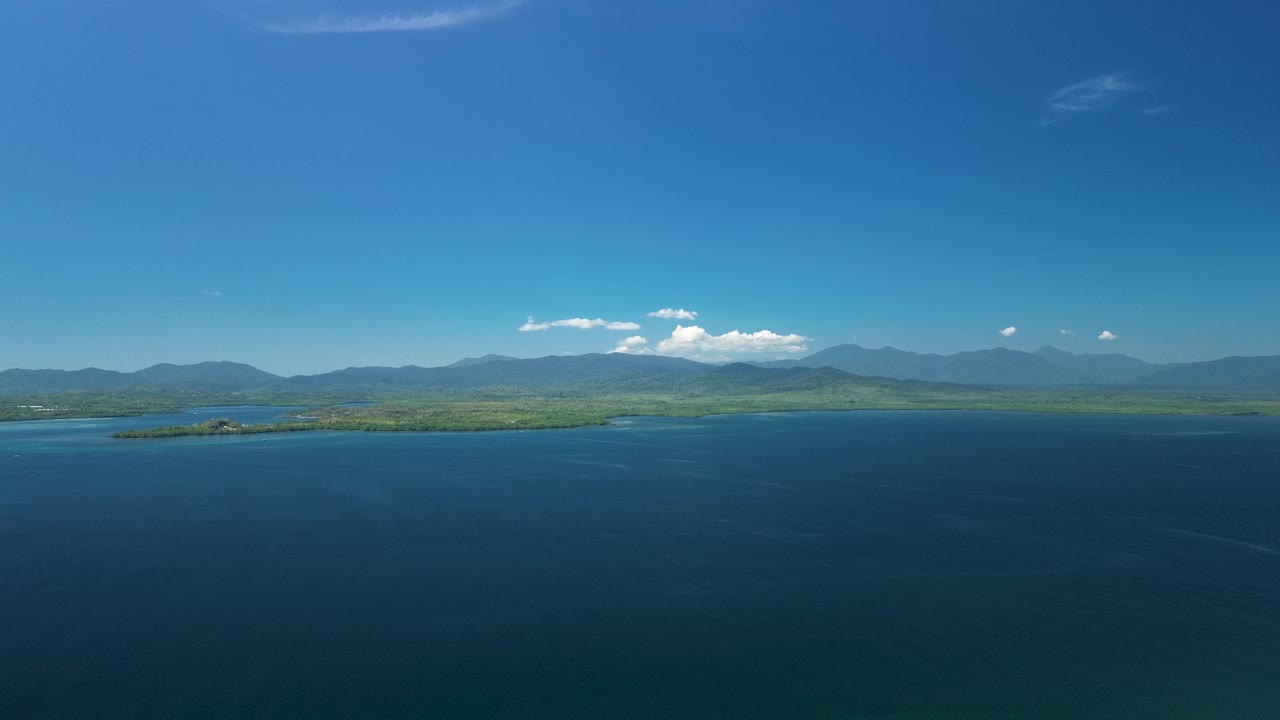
x: 219, y: 426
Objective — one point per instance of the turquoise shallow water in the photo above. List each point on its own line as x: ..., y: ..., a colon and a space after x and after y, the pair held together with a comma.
x: 856, y: 565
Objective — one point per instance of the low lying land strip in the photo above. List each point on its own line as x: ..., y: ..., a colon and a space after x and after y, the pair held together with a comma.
x: 536, y: 412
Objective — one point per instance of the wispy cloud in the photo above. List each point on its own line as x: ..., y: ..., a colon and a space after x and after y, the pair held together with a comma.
x: 1009, y: 331
x: 673, y: 314
x: 212, y: 293
x: 581, y: 323
x: 1089, y: 96
x: 1064, y: 331
x: 392, y: 22
x: 1157, y: 110
x: 531, y: 326
x: 1108, y: 335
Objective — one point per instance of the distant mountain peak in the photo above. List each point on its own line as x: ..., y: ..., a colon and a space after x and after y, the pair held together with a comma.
x: 740, y: 368
x: 470, y: 361
x: 211, y: 373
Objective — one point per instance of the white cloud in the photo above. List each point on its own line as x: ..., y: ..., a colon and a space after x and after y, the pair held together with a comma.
x: 1064, y: 331
x: 1157, y: 110
x: 1107, y: 335
x: 673, y: 314
x: 695, y: 342
x: 1089, y: 95
x: 1009, y: 331
x: 634, y: 344
x: 212, y: 293
x: 531, y: 326
x: 580, y: 323
x: 392, y: 22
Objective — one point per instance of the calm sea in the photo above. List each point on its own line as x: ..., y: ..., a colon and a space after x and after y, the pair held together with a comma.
x: 858, y: 565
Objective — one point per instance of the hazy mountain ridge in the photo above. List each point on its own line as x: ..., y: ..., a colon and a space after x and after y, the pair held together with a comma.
x: 1245, y: 373
x: 19, y: 381
x: 212, y: 375
x: 223, y: 374
x: 470, y: 361
x: 1101, y: 367
x: 1046, y: 367
x: 533, y: 373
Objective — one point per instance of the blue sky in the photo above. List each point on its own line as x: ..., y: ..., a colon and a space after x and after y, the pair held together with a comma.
x: 306, y: 185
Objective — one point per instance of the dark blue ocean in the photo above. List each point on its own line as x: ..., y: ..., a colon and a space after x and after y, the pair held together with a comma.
x: 858, y: 565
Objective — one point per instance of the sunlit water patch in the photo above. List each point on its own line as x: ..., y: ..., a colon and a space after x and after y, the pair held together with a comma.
x: 833, y: 565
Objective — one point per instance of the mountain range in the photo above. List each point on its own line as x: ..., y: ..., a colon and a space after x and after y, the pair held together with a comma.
x: 1046, y: 367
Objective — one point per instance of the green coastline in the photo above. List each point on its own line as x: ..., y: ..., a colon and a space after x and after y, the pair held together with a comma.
x: 531, y: 412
